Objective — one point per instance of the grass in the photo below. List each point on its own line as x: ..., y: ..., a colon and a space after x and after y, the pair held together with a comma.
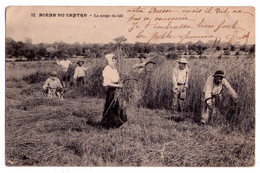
x: 17, y: 71
x: 63, y: 135
x: 51, y: 132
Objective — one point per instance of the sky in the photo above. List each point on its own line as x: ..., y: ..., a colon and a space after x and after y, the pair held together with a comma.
x: 34, y: 22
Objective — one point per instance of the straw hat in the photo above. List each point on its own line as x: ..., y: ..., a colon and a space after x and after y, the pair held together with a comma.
x: 53, y: 73
x: 182, y: 60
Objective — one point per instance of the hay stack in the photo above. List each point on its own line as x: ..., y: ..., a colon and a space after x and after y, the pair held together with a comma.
x: 155, y: 87
x: 154, y: 83
x: 94, y: 80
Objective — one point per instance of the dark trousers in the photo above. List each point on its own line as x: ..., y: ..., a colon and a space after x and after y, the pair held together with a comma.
x: 80, y: 81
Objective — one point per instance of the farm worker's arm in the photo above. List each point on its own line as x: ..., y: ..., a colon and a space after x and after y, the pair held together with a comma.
x: 139, y: 65
x: 58, y: 62
x: 58, y: 83
x: 85, y: 68
x: 174, y: 79
x: 230, y: 90
x: 46, y: 84
x: 208, y: 87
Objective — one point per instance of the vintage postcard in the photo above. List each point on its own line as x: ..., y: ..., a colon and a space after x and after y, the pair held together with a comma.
x: 130, y: 86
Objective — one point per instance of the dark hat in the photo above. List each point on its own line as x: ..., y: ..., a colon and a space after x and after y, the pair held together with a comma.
x: 80, y: 61
x: 219, y: 73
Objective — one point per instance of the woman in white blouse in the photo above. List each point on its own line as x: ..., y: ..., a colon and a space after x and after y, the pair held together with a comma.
x: 113, y: 115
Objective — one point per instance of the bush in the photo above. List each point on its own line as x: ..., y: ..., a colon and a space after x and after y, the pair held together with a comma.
x: 173, y: 56
x: 192, y: 57
x: 237, y: 53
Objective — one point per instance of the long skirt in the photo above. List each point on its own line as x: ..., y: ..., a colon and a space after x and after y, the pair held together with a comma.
x: 113, y: 115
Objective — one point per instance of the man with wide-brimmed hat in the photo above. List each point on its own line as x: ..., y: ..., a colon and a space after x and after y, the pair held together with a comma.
x: 52, y: 85
x: 180, y: 78
x: 212, y: 94
x: 79, y: 73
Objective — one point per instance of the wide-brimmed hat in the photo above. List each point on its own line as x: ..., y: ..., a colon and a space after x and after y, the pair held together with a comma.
x: 219, y: 73
x: 53, y: 73
x: 182, y: 60
x: 80, y: 62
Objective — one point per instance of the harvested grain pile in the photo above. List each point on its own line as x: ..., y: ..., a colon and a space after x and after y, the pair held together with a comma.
x: 155, y: 84
x: 94, y: 81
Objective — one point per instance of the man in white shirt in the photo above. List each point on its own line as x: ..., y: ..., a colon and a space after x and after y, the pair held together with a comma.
x: 212, y: 96
x: 180, y: 79
x: 65, y: 63
x: 79, y: 73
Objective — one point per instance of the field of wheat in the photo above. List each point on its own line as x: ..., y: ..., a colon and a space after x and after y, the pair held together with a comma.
x: 52, y: 132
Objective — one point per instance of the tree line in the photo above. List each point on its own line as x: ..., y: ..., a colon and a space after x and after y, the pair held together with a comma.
x: 47, y: 51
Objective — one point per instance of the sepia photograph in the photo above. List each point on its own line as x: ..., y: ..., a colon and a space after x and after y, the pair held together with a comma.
x: 130, y: 86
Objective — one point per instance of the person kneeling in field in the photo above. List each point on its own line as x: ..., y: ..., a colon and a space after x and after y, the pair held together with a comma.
x: 79, y: 74
x: 52, y: 86
x: 212, y: 96
x: 180, y: 79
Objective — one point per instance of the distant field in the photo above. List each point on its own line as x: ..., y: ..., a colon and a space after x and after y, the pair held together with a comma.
x: 52, y: 132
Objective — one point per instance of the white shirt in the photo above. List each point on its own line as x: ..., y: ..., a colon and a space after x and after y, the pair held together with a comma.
x: 79, y: 72
x: 110, y: 75
x: 180, y: 76
x: 211, y: 88
x: 64, y: 64
x: 52, y: 83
